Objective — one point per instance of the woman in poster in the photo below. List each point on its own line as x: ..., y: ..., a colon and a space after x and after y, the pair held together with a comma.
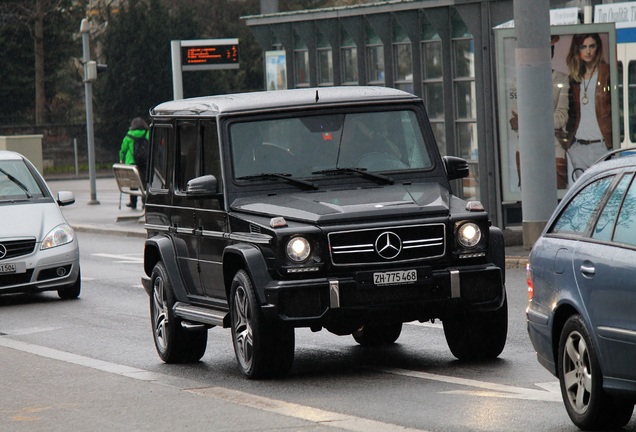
x: 590, y: 114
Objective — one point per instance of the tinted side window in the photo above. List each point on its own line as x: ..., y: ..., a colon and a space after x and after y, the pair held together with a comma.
x: 211, y: 153
x: 159, y: 157
x: 188, y: 154
x: 605, y: 225
x: 576, y: 216
x: 626, y: 227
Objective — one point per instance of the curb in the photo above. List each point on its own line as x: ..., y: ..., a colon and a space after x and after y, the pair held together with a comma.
x: 516, y: 262
x: 95, y: 229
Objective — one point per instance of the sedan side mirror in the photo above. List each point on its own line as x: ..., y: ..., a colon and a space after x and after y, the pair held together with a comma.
x: 65, y: 198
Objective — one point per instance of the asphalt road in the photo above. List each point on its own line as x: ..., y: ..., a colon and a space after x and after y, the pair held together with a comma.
x: 90, y: 364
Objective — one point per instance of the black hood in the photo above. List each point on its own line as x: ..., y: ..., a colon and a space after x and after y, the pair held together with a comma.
x: 360, y: 203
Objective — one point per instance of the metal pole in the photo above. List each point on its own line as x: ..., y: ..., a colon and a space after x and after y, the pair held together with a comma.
x: 75, y: 154
x: 84, y: 30
x: 177, y: 74
x: 536, y: 118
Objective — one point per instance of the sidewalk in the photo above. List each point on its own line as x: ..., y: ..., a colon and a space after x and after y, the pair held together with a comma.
x: 106, y: 216
x: 109, y: 218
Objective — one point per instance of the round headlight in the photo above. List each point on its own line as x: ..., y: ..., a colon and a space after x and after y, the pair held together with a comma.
x: 468, y: 235
x: 298, y: 249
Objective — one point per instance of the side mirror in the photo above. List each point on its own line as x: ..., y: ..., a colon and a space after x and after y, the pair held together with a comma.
x: 65, y: 198
x: 456, y: 168
x: 201, y: 187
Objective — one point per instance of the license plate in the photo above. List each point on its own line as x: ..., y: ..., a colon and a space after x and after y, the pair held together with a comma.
x: 7, y: 268
x: 395, y: 277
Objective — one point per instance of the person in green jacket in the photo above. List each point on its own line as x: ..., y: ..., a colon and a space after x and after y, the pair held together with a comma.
x: 138, y: 131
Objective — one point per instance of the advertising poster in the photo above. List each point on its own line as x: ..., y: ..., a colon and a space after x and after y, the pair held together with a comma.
x: 275, y: 70
x: 566, y: 115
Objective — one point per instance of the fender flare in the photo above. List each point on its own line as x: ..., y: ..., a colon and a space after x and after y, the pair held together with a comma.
x: 497, y: 250
x: 161, y: 248
x: 249, y: 257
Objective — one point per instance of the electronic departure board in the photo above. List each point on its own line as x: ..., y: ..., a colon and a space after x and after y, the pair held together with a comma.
x: 209, y: 54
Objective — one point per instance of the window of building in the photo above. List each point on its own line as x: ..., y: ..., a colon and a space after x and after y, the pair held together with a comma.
x: 433, y: 83
x: 402, y: 60
x: 301, y: 62
x: 325, y: 61
x: 349, y: 60
x: 631, y: 97
x: 464, y: 90
x: 375, y: 58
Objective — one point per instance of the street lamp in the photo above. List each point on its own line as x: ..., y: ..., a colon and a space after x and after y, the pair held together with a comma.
x: 90, y: 135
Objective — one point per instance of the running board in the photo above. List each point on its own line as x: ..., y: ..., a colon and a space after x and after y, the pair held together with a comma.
x: 198, y: 314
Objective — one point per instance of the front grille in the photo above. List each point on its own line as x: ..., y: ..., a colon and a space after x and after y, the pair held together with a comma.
x: 16, y: 248
x: 387, y: 245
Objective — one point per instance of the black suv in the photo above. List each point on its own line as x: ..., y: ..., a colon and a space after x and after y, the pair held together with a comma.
x: 321, y: 208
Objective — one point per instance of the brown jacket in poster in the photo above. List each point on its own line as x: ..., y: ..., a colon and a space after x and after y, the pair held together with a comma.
x: 603, y: 103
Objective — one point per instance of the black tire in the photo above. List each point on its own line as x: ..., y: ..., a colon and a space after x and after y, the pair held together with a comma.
x: 263, y: 349
x: 473, y: 335
x: 581, y: 380
x: 174, y: 343
x: 377, y: 334
x: 72, y: 291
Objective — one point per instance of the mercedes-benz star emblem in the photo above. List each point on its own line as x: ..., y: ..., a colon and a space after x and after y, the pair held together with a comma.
x: 3, y: 251
x: 388, y: 245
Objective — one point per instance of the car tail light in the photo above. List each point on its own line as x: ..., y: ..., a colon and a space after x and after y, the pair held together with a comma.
x: 529, y: 281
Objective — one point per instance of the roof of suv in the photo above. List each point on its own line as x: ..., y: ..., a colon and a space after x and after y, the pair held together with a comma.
x: 266, y: 100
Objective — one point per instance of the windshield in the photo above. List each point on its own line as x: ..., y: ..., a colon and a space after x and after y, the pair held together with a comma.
x: 16, y: 181
x: 320, y: 145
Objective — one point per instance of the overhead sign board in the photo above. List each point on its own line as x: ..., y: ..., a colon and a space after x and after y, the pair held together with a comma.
x: 208, y: 54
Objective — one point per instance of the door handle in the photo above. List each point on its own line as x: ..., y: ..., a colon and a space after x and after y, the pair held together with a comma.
x: 588, y: 270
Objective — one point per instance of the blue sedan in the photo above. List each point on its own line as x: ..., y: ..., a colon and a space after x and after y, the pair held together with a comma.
x: 581, y: 312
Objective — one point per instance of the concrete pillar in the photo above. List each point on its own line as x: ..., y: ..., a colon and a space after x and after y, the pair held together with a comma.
x: 269, y: 6
x: 536, y: 121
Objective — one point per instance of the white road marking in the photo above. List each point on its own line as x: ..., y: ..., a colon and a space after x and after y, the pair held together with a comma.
x: 302, y: 412
x: 486, y: 388
x: 436, y: 324
x: 306, y: 413
x: 123, y: 259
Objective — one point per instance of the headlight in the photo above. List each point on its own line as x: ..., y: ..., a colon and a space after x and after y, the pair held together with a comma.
x: 58, y: 236
x: 298, y: 249
x: 468, y: 235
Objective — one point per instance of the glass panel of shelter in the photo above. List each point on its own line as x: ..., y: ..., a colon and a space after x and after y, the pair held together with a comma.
x: 463, y: 51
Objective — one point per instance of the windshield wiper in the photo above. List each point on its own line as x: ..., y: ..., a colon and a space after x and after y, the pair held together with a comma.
x: 362, y: 171
x: 283, y: 176
x: 18, y: 182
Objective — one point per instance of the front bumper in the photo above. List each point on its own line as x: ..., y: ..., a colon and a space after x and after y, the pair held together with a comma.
x: 311, y: 301
x: 42, y: 270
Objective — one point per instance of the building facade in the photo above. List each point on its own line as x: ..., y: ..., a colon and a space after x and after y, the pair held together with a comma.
x: 441, y: 50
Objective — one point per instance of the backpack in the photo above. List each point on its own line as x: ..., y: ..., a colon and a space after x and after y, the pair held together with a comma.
x: 140, y: 150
